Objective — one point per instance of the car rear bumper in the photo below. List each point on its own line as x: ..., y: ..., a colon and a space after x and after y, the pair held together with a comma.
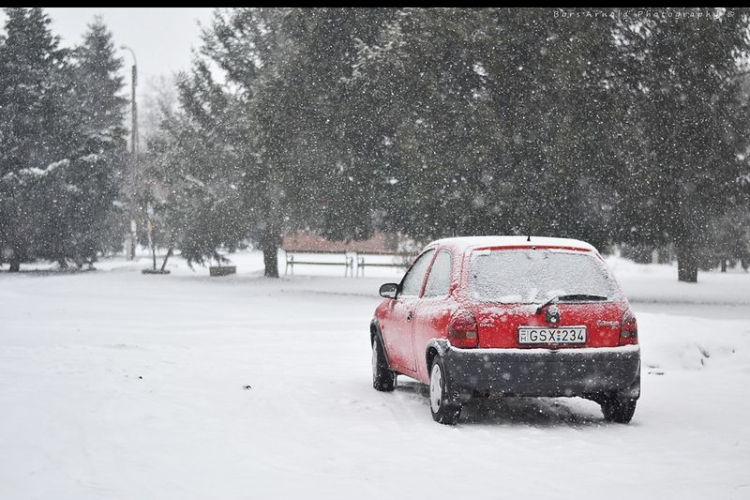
x: 544, y: 372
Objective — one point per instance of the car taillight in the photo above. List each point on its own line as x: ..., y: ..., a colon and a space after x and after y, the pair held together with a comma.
x: 629, y: 329
x: 462, y: 330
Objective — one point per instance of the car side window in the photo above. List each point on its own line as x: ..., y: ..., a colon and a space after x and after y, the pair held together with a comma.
x: 414, y: 278
x: 439, y: 281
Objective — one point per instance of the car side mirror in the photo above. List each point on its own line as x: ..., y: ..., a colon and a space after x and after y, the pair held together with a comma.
x: 389, y: 290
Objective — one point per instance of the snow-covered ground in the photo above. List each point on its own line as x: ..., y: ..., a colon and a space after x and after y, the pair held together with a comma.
x: 118, y: 385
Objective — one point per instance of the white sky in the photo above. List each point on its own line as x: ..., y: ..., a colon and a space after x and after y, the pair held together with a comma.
x: 161, y: 38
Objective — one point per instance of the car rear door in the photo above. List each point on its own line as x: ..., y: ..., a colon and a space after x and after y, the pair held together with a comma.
x: 397, y: 328
x: 520, y: 280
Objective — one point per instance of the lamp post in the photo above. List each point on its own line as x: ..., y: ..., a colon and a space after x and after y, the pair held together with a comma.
x: 134, y: 153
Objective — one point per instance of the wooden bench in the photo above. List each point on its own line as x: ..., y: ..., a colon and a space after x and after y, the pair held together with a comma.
x: 292, y: 259
x: 405, y: 260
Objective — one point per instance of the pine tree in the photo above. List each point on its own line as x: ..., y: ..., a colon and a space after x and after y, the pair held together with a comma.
x: 99, y: 160
x: 62, y: 140
x: 100, y: 84
x: 491, y: 120
x: 36, y: 130
x: 685, y: 113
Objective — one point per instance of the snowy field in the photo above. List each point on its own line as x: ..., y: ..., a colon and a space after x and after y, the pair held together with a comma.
x: 118, y: 385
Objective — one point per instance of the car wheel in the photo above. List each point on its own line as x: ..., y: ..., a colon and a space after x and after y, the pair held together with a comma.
x: 618, y: 409
x: 383, y: 379
x: 444, y: 410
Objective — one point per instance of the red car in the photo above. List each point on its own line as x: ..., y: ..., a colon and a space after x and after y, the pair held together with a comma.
x: 515, y: 316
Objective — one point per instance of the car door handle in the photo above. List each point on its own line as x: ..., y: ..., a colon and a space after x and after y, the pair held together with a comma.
x: 409, y: 316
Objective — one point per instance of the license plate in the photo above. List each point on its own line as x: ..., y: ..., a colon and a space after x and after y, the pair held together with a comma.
x: 567, y: 335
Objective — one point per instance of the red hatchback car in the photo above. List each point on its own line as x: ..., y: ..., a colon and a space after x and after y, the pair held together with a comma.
x: 508, y: 315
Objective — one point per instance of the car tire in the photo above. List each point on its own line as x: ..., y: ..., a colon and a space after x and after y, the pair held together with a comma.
x: 383, y: 379
x: 618, y: 409
x: 444, y: 408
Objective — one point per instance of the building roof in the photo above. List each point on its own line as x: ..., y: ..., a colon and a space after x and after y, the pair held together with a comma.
x: 309, y: 241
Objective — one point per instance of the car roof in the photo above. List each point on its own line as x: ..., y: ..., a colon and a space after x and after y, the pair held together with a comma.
x: 469, y: 243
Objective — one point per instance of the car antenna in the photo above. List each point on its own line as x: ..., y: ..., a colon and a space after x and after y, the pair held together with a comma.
x: 529, y: 238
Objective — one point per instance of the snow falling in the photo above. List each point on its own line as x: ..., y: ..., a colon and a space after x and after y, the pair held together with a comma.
x: 130, y: 369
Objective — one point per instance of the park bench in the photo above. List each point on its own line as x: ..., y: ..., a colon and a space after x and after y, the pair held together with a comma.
x: 369, y: 259
x: 303, y: 257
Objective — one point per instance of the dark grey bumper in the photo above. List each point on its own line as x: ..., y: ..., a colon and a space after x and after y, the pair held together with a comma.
x: 544, y: 372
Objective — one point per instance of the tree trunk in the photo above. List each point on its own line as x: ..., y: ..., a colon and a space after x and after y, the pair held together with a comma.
x: 271, y: 261
x: 133, y: 238
x: 723, y: 265
x: 131, y: 252
x: 169, y: 254
x: 15, y: 265
x: 270, y: 245
x: 687, y: 263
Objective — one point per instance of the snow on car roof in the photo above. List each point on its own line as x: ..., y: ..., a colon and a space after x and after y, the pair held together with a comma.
x: 469, y: 242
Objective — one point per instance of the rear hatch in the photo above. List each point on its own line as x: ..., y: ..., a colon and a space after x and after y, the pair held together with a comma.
x: 544, y: 298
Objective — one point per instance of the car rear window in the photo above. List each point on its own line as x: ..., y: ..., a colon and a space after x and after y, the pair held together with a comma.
x: 531, y: 276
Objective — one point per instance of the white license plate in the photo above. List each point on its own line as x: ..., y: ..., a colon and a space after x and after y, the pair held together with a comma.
x: 567, y: 335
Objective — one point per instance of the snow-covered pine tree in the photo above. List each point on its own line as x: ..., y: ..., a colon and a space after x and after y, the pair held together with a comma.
x: 98, y: 167
x: 36, y: 130
x: 99, y: 83
x: 62, y: 141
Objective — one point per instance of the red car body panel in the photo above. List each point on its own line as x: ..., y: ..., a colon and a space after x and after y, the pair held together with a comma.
x: 397, y: 335
x: 431, y: 321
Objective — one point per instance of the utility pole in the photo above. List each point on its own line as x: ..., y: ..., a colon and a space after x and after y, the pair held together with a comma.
x: 134, y: 155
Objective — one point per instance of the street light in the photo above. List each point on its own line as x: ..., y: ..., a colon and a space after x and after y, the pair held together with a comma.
x: 134, y: 152
x: 134, y: 114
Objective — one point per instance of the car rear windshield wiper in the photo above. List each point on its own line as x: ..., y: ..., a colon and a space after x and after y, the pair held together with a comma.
x: 576, y: 296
